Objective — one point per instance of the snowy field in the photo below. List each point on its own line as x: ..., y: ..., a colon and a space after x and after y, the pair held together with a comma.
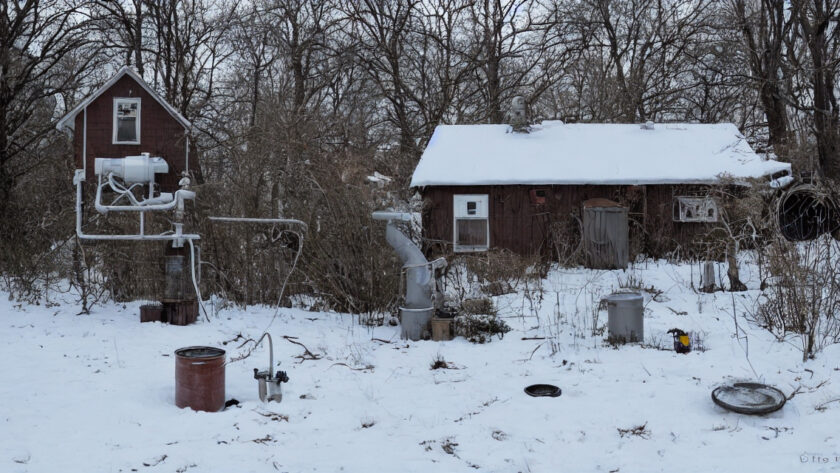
x: 96, y: 393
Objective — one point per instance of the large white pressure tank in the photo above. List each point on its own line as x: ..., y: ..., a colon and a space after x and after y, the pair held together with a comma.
x: 132, y: 168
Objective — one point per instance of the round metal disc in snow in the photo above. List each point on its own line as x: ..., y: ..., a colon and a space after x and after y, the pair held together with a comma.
x: 749, y: 398
x: 538, y: 390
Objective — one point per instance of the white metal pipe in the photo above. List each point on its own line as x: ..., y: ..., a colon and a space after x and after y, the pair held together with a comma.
x: 84, y: 141
x: 195, y: 283
x: 386, y: 215
x: 258, y: 220
x: 119, y: 190
x: 270, y: 354
x: 83, y: 236
x: 180, y: 196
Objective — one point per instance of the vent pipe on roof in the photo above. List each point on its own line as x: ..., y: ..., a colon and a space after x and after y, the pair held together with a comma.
x: 648, y: 125
x: 519, y: 115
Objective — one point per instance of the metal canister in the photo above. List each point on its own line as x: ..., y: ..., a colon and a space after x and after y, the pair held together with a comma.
x: 414, y: 322
x: 200, y: 378
x: 626, y: 317
x: 179, y: 284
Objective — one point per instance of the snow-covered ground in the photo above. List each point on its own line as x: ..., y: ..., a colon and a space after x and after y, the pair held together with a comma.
x: 96, y: 393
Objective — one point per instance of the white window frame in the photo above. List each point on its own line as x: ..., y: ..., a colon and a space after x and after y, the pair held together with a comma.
x: 699, y: 207
x: 461, y: 211
x: 120, y: 100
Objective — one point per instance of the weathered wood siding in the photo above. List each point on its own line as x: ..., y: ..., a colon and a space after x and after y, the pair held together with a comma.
x: 519, y: 225
x: 160, y: 134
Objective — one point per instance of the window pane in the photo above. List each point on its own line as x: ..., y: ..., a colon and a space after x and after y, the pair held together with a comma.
x: 126, y: 121
x: 126, y: 129
x: 471, y: 232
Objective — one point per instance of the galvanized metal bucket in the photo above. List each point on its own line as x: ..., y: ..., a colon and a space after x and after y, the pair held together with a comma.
x: 626, y: 317
x: 415, y: 322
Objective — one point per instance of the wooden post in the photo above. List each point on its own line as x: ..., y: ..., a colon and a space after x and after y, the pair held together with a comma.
x: 707, y: 278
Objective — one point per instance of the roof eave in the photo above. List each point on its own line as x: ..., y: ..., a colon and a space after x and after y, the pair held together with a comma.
x: 67, y: 122
x: 646, y: 182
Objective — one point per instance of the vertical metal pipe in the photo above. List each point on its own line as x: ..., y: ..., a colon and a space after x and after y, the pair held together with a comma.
x: 84, y: 141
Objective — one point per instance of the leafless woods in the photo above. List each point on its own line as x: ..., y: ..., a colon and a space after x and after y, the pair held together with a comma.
x: 296, y: 102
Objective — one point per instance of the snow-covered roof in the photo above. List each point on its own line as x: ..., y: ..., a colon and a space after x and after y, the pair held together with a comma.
x: 557, y: 153
x: 68, y: 122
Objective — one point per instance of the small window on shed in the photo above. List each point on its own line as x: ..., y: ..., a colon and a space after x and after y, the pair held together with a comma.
x: 695, y: 209
x: 471, y: 224
x: 127, y: 121
x: 538, y: 196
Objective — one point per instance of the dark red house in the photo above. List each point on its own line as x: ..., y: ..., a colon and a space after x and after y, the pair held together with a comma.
x: 126, y: 117
x: 486, y: 186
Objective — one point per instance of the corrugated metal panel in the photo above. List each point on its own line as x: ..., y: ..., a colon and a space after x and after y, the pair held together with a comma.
x: 605, y: 235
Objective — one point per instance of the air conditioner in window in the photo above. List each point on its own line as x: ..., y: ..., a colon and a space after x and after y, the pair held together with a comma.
x: 471, y: 231
x: 695, y: 209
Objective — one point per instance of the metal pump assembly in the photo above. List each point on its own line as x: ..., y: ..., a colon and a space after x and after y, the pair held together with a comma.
x: 270, y: 383
x: 135, y: 172
x: 124, y: 182
x: 421, y: 293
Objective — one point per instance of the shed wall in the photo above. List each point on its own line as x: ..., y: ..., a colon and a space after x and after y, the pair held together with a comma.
x: 160, y: 134
x: 519, y: 225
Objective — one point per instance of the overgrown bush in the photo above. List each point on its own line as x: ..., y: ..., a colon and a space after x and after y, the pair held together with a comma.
x: 803, y: 295
x: 347, y: 260
x: 565, y: 239
x: 37, y: 226
x: 479, y: 328
x: 489, y: 274
x: 500, y: 271
x: 478, y: 306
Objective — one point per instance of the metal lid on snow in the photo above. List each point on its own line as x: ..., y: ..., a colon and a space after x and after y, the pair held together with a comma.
x: 624, y: 296
x: 749, y: 398
x: 543, y: 390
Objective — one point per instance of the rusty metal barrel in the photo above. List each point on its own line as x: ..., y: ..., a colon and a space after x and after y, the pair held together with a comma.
x: 200, y: 378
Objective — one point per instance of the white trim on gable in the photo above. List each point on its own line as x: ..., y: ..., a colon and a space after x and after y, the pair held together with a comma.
x: 67, y: 122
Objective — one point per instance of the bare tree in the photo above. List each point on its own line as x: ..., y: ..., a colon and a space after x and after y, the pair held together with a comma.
x: 649, y: 44
x: 764, y: 26
x: 120, y: 26
x: 382, y: 30
x: 817, y: 22
x: 506, y: 52
x: 188, y: 48
x: 41, y: 44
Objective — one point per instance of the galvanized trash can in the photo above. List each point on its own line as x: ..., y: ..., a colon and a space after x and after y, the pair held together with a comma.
x: 626, y: 317
x: 200, y: 378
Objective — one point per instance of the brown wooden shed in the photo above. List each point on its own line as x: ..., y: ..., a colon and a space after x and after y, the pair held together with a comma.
x: 485, y: 186
x: 126, y: 117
